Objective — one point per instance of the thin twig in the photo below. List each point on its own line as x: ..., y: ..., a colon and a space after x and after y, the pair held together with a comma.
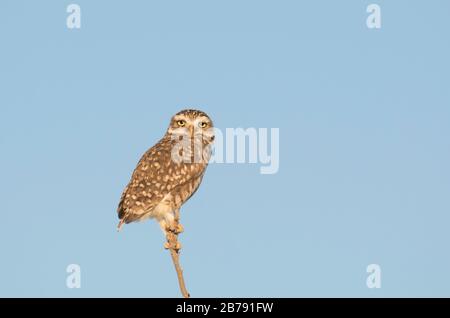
x: 174, y: 246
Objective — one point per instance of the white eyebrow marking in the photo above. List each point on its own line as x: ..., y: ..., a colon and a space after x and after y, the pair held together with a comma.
x: 179, y: 117
x: 202, y: 118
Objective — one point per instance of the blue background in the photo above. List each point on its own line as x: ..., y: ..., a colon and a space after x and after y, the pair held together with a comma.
x: 364, y: 165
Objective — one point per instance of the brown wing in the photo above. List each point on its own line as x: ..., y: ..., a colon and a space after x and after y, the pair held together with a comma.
x: 155, y: 176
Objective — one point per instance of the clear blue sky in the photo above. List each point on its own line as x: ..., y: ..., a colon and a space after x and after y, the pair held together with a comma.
x: 364, y: 123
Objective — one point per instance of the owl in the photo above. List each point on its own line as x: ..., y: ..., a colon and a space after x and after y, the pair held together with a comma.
x: 170, y: 172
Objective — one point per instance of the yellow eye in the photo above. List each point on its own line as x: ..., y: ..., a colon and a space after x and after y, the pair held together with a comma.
x: 203, y: 124
x: 181, y: 123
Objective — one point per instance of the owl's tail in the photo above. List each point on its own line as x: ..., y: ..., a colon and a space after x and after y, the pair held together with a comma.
x: 121, y: 223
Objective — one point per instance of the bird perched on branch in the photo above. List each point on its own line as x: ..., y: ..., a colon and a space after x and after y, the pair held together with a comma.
x: 170, y: 172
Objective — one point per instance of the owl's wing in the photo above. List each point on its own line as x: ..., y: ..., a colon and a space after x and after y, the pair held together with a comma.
x: 155, y: 176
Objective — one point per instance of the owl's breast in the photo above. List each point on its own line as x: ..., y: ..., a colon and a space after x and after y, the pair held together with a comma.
x: 176, y: 198
x: 183, y: 192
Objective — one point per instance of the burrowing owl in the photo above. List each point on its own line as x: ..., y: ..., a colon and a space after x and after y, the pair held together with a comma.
x: 170, y: 172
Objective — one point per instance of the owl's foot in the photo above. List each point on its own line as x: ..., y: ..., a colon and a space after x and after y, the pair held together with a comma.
x: 179, y: 229
x: 171, y: 246
x: 175, y: 229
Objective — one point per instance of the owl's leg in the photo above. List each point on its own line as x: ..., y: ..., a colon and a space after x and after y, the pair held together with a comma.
x: 163, y: 226
x: 170, y: 223
x: 178, y: 227
x: 171, y: 229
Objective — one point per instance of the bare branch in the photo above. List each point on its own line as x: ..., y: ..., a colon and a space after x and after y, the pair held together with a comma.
x: 174, y: 247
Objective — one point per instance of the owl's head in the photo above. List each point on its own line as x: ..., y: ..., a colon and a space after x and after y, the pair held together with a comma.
x: 193, y: 122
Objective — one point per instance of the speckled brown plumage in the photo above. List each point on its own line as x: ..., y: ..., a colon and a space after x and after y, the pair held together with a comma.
x: 160, y: 185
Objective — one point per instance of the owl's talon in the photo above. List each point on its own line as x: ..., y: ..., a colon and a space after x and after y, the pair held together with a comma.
x: 175, y: 229
x: 179, y: 229
x: 177, y: 246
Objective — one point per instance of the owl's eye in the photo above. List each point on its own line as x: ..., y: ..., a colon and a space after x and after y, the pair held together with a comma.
x: 203, y: 124
x: 181, y: 123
